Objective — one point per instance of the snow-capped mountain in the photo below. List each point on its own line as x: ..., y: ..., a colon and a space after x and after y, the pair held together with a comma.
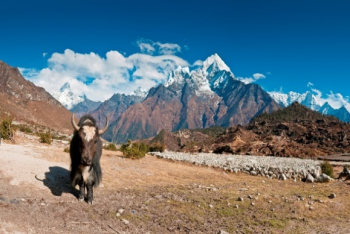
x: 286, y: 99
x: 66, y: 97
x: 326, y: 109
x: 140, y: 92
x: 207, y: 96
x: 309, y: 100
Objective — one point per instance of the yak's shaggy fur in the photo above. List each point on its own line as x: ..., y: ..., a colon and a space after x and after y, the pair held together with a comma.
x: 85, y: 154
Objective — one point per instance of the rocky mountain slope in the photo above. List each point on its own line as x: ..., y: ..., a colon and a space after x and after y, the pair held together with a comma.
x: 113, y: 108
x: 295, y: 131
x: 23, y: 100
x: 194, y: 99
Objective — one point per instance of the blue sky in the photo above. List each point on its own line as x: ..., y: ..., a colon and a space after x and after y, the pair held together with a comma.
x: 290, y: 42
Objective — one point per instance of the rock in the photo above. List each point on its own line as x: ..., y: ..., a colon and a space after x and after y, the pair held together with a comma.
x: 117, y: 214
x: 250, y: 196
x: 282, y: 177
x: 253, y: 204
x: 240, y: 199
x: 253, y: 173
x: 211, y: 206
x: 270, y: 201
x: 236, y: 206
x: 309, y: 178
x: 120, y: 211
x: 125, y: 221
x: 332, y: 196
x: 43, y: 204
x: 222, y: 232
x: 324, y: 178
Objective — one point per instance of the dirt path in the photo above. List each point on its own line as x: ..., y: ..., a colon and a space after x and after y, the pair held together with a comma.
x: 158, y: 196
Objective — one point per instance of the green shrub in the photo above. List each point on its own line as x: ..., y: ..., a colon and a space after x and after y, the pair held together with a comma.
x: 157, y: 147
x: 135, y: 150
x: 327, y: 168
x: 46, y: 138
x: 58, y: 137
x: 25, y: 129
x: 6, y: 129
x: 110, y: 146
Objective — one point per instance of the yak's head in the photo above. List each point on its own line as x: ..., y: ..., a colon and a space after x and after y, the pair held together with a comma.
x: 89, y: 137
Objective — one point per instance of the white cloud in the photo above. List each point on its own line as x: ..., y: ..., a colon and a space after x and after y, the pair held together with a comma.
x: 150, y: 47
x: 28, y: 72
x: 309, y: 84
x: 100, y: 77
x: 146, y: 48
x: 44, y: 55
x: 248, y: 80
x: 198, y: 63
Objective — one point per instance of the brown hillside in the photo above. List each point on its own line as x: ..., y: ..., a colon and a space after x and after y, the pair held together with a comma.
x: 295, y: 131
x: 24, y: 101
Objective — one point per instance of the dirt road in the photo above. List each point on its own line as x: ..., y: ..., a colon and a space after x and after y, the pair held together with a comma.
x: 158, y: 196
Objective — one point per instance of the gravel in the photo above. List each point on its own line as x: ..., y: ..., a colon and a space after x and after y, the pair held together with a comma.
x: 270, y: 167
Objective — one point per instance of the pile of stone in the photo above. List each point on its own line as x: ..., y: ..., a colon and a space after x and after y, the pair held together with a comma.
x: 271, y: 167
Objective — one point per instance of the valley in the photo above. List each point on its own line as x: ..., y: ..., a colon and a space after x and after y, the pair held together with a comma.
x: 154, y: 195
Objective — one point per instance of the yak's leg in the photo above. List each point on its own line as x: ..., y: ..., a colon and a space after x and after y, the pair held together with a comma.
x: 90, y: 195
x: 81, y: 189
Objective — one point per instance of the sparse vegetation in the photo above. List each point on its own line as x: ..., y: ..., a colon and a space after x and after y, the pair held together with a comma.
x: 66, y: 150
x: 25, y: 129
x: 6, y: 129
x: 327, y: 169
x: 292, y: 113
x: 46, y: 137
x: 110, y: 146
x: 156, y: 147
x: 134, y: 150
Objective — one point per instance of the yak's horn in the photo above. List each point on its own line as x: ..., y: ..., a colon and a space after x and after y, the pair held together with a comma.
x: 100, y: 132
x: 75, y: 126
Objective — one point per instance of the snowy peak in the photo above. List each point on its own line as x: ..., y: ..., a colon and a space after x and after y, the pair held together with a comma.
x: 66, y: 97
x: 65, y: 87
x: 214, y: 62
x: 310, y: 101
x: 178, y: 76
x: 326, y: 109
x: 140, y: 92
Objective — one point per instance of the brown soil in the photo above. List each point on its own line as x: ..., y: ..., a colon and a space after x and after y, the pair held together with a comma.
x: 158, y: 196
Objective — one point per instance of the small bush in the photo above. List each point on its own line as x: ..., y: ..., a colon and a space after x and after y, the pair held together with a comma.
x: 135, y: 150
x: 25, y: 129
x: 157, y: 147
x: 46, y: 138
x: 327, y: 169
x: 6, y: 130
x: 57, y: 137
x: 66, y: 150
x: 111, y: 147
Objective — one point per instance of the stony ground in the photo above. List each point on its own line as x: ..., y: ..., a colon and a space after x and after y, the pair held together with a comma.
x: 158, y: 196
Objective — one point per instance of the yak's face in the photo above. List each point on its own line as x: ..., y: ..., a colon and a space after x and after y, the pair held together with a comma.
x: 88, y: 143
x: 89, y: 138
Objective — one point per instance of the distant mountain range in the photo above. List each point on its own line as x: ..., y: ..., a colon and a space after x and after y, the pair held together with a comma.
x: 208, y: 96
x: 189, y: 99
x: 309, y: 100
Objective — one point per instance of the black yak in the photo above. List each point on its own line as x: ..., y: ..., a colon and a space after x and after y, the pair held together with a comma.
x: 85, y: 153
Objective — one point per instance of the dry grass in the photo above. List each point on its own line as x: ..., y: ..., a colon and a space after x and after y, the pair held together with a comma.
x: 159, y: 195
